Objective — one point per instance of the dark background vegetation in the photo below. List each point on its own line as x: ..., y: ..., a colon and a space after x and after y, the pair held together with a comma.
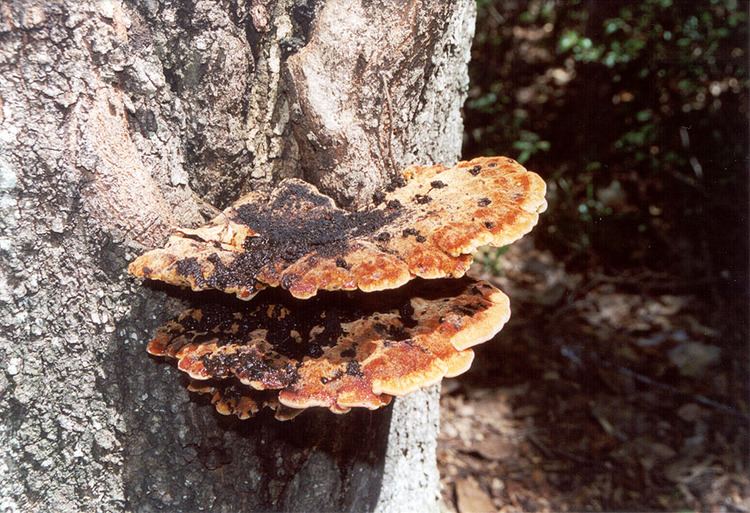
x: 632, y: 293
x: 636, y: 114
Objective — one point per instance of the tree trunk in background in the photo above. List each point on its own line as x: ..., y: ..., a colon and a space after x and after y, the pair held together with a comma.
x: 120, y: 120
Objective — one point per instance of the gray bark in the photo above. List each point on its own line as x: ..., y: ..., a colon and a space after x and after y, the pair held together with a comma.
x: 122, y: 119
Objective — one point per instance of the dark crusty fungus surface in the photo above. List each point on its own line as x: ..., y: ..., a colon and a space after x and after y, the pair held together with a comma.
x: 337, y: 350
x: 296, y: 238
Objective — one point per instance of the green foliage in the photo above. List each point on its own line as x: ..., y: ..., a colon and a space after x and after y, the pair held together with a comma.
x: 491, y: 259
x: 528, y: 144
x: 635, y: 113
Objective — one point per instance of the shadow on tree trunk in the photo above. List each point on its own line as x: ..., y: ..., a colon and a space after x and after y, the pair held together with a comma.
x: 201, y: 460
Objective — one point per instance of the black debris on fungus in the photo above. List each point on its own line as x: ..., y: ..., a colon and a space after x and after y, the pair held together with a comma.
x: 332, y: 321
x: 397, y: 334
x: 467, y: 309
x: 226, y: 320
x: 353, y: 369
x: 378, y: 197
x: 288, y: 374
x: 437, y: 184
x: 409, y: 231
x: 224, y: 276
x: 483, y: 202
x: 421, y: 238
x: 475, y: 170
x: 340, y: 262
x: 288, y: 280
x: 190, y: 268
x: 249, y: 365
x: 489, y: 224
x: 291, y: 233
x: 232, y: 322
x: 398, y: 182
x: 296, y: 221
x: 392, y: 332
x: 383, y: 237
x: 422, y: 199
x: 406, y: 312
x: 394, y: 204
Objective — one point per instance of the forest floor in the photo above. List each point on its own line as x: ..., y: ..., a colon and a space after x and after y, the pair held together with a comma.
x: 602, y: 393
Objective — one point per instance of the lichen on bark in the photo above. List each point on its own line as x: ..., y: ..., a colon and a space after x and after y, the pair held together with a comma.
x: 121, y: 119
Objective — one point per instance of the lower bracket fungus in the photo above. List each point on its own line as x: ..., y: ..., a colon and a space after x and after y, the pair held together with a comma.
x: 230, y: 397
x: 337, y: 350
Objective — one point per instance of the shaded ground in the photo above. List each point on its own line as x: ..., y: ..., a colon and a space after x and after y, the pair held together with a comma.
x: 603, y: 393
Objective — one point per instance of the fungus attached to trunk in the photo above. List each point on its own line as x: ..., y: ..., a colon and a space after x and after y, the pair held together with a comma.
x: 296, y: 238
x: 358, y: 306
x: 230, y: 397
x: 338, y: 350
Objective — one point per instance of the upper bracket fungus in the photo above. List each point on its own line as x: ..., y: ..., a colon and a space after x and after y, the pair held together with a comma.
x: 295, y: 237
x: 325, y: 343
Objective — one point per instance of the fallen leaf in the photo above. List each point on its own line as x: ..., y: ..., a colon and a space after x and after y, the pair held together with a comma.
x: 471, y: 498
x: 494, y: 447
x: 690, y: 412
x: 693, y: 358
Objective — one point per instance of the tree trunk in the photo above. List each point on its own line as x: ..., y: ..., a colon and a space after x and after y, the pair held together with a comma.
x: 120, y: 120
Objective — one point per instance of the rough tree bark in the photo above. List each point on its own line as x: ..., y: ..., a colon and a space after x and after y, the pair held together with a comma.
x: 121, y: 119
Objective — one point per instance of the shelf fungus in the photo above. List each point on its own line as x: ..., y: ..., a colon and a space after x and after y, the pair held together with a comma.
x: 349, y: 309
x: 296, y: 238
x: 230, y: 397
x: 337, y: 350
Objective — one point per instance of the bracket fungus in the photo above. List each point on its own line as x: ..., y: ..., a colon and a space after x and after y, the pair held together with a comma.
x: 297, y: 238
x: 359, y: 307
x: 231, y: 397
x: 337, y: 350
